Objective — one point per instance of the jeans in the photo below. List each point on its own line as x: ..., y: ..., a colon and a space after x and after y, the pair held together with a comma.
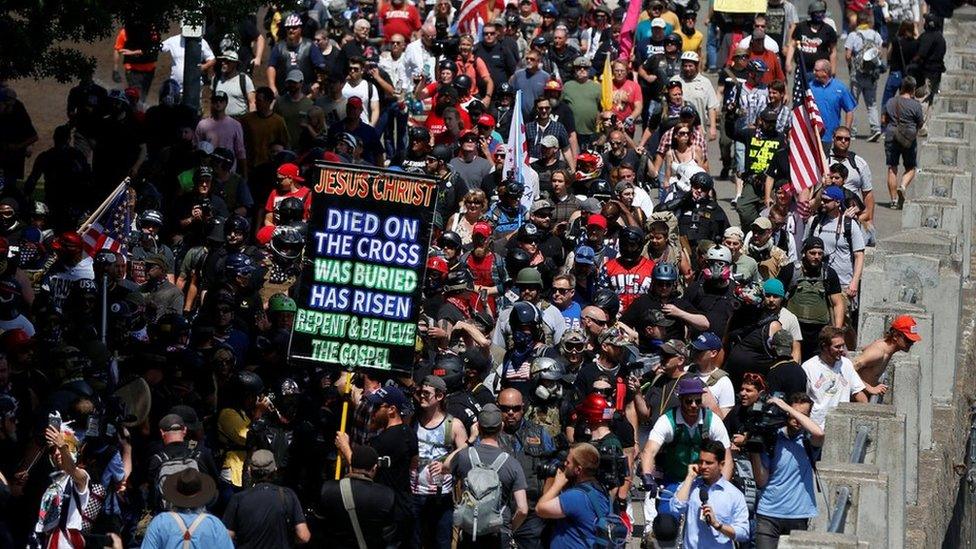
x: 866, y: 85
x: 892, y: 83
x: 529, y: 534
x: 392, y: 125
x: 713, y: 41
x: 142, y: 80
x: 434, y: 516
x: 769, y: 530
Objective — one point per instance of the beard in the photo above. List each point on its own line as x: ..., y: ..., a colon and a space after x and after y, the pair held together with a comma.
x: 378, y: 422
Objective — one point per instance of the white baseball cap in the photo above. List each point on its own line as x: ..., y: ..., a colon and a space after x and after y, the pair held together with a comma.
x: 690, y: 56
x: 658, y: 22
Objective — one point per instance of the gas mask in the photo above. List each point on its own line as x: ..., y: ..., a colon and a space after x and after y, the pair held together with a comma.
x: 545, y: 392
x: 717, y: 271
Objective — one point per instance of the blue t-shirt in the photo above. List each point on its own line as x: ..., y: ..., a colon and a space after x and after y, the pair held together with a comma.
x: 789, y: 493
x: 572, y: 315
x: 578, y: 529
x: 831, y: 99
x: 165, y: 533
x: 531, y: 87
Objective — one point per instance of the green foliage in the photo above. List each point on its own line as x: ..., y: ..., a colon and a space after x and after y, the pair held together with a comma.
x: 36, y: 35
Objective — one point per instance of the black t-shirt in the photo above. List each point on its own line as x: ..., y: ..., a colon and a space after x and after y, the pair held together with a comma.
x: 263, y: 516
x: 717, y: 304
x: 786, y: 377
x: 661, y: 396
x: 399, y: 444
x: 646, y: 302
x: 814, y: 45
x: 779, y: 166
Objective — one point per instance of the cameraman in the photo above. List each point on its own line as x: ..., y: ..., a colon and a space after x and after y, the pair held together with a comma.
x: 574, y: 510
x: 716, y: 509
x: 786, y: 474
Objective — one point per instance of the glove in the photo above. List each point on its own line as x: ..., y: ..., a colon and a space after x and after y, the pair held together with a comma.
x: 116, y: 77
x: 649, y: 484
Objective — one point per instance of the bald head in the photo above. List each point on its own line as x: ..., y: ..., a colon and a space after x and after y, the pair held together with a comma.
x: 512, y: 407
x: 510, y: 397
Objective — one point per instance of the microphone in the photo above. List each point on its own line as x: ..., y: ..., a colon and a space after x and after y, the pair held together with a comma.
x: 703, y: 496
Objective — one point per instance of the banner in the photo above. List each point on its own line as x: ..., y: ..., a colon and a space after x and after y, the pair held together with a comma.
x: 360, y: 294
x: 740, y: 6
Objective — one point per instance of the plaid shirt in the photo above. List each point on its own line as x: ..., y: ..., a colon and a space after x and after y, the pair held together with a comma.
x: 534, y: 134
x: 360, y: 421
x: 697, y: 138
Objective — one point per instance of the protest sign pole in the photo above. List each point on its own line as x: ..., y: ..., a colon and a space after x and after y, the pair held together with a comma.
x: 346, y: 391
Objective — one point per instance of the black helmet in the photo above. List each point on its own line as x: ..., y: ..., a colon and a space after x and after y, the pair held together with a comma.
x: 516, y: 260
x: 287, y: 242
x: 170, y: 327
x: 238, y: 265
x: 524, y: 314
x: 600, y: 188
x: 631, y: 241
x: 447, y: 65
x: 247, y: 383
x: 444, y: 153
x: 504, y: 89
x: 462, y: 83
x: 450, y: 368
x: 539, y: 42
x: 450, y: 239
x: 673, y: 39
x: 419, y: 133
x: 609, y: 301
x: 459, y: 280
x: 703, y: 181
x: 237, y: 224
x: 290, y: 210
x: 150, y: 217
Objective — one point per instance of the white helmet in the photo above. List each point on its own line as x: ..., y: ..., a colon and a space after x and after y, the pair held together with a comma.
x: 719, y: 253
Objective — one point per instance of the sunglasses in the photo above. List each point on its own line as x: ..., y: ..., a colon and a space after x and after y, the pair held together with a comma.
x: 842, y: 138
x: 562, y: 290
x: 596, y: 321
x: 490, y: 33
x: 690, y: 401
x: 510, y: 409
x: 575, y: 347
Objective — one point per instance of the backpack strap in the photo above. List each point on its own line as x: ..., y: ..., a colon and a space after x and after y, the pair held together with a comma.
x: 474, y: 457
x: 243, y: 84
x: 499, y: 461
x: 448, y: 424
x: 345, y: 488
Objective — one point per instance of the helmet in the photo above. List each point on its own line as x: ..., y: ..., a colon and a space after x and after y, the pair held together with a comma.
x: 41, y: 209
x: 665, y: 271
x: 462, y: 83
x: 238, y: 265
x: 600, y: 188
x: 516, y: 260
x: 170, y: 327
x: 444, y: 153
x: 287, y: 242
x: 290, y: 210
x: 150, y: 217
x: 437, y: 264
x: 459, y: 280
x: 609, y: 301
x: 419, y: 133
x: 450, y: 239
x: 719, y: 253
x: 289, y: 387
x: 237, y: 224
x: 673, y: 39
x: 527, y: 276
x: 450, y: 368
x: 817, y: 6
x: 595, y: 408
x: 631, y: 235
x: 447, y: 65
x: 247, y: 383
x: 281, y: 303
x: 756, y: 65
x: 544, y: 367
x: 539, y: 42
x: 702, y: 180
x: 524, y: 314
x: 504, y: 89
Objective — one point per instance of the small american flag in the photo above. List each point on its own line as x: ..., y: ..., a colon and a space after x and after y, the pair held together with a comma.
x: 806, y: 159
x: 471, y: 18
x: 110, y: 225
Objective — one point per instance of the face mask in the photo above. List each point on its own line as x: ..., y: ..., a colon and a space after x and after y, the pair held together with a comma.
x: 817, y: 17
x: 717, y: 271
x: 523, y: 341
x: 687, y: 31
x: 546, y: 393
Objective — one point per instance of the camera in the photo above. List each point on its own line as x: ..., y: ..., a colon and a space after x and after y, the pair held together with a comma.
x: 384, y: 462
x: 761, y: 422
x: 613, y: 469
x: 548, y: 468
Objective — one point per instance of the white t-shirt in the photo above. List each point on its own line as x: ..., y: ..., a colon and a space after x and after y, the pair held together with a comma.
x: 365, y: 91
x: 18, y: 322
x: 175, y: 48
x: 723, y: 391
x: 790, y: 323
x: 662, y: 433
x: 829, y: 385
x: 237, y: 104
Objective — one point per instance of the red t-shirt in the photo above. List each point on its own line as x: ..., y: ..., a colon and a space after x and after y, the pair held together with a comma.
x: 436, y: 127
x: 301, y: 193
x: 630, y: 283
x: 404, y: 21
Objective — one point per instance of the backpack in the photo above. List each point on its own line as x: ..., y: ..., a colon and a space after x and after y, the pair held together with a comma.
x: 173, y: 465
x: 819, y: 220
x: 869, y: 59
x: 480, y: 508
x: 807, y: 297
x: 611, y: 531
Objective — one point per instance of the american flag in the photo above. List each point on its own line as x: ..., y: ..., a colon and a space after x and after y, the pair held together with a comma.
x: 471, y: 18
x: 806, y: 126
x: 109, y: 225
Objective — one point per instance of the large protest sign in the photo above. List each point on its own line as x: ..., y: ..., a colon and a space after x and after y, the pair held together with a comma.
x: 367, y: 244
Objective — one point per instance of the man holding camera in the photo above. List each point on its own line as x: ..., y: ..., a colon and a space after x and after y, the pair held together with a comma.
x: 575, y: 500
x: 717, y: 515
x: 786, y: 474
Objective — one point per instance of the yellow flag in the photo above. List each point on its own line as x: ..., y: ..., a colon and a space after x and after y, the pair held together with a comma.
x: 606, y: 85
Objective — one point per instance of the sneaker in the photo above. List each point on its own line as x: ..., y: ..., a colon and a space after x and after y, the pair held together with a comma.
x: 734, y: 200
x: 875, y: 136
x: 901, y: 197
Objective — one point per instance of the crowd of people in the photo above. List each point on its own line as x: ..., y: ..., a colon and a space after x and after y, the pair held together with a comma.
x: 605, y: 351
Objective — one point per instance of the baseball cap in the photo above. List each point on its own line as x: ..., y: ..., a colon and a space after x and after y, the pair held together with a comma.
x: 734, y: 232
x: 157, y: 259
x: 229, y: 55
x: 812, y: 243
x: 263, y: 460
x: 739, y: 52
x: 782, y: 343
x: 553, y: 85
x: 674, y: 347
x: 834, y: 192
x: 596, y: 220
x: 690, y: 386
x: 219, y: 94
x: 656, y: 317
x: 585, y: 255
x: 763, y: 223
x: 658, y: 22
x: 363, y: 457
x: 486, y: 120
x: 490, y: 416
x: 293, y: 20
x: 550, y: 141
x: 613, y: 336
x: 582, y: 61
x: 295, y: 75
x: 189, y: 415
x: 354, y: 101
x: 773, y: 286
x: 171, y: 422
x: 391, y: 396
x: 290, y: 170
x: 690, y: 56
x: 541, y: 204
x: 907, y: 326
x: 707, y: 341
x: 436, y: 382
x: 482, y: 228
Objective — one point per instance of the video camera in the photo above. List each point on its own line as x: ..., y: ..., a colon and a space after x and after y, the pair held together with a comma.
x: 762, y: 420
x: 613, y: 470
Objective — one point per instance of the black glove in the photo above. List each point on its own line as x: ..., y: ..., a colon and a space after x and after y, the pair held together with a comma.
x: 649, y: 484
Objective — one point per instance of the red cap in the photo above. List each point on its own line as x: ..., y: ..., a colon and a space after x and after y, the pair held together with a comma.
x: 907, y: 326
x: 482, y: 228
x: 331, y: 156
x: 4, y: 246
x: 554, y: 85
x: 438, y: 264
x: 68, y: 241
x: 486, y: 120
x: 264, y: 234
x: 290, y: 171
x: 355, y: 101
x: 598, y: 220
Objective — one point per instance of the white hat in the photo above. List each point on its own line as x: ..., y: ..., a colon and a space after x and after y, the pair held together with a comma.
x: 229, y: 55
x: 690, y: 56
x: 658, y: 22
